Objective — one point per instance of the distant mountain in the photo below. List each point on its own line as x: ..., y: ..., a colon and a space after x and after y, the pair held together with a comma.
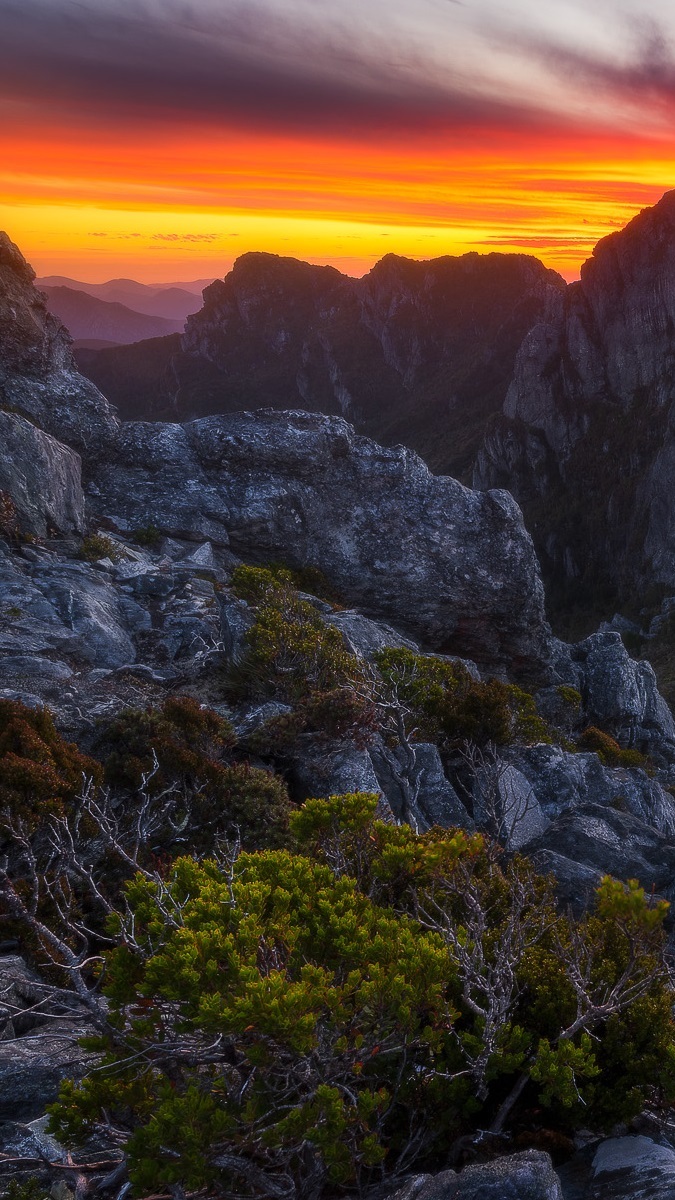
x: 88, y: 318
x: 415, y: 352
x: 174, y: 301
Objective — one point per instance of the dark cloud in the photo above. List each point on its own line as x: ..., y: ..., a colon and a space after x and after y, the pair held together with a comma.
x: 167, y: 60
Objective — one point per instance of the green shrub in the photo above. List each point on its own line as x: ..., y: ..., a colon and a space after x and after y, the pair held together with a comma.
x: 97, y: 545
x: 291, y: 652
x: 322, y: 1018
x: 447, y: 702
x: 327, y: 1007
x: 147, y: 535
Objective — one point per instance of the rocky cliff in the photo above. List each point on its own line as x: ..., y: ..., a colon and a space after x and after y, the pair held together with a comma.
x: 585, y: 440
x: 38, y: 377
x: 417, y: 352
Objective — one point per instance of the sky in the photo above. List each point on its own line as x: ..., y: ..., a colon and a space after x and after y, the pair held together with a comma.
x: 161, y: 139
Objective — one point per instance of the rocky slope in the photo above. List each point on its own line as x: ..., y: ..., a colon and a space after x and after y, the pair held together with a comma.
x: 88, y: 318
x: 418, y: 352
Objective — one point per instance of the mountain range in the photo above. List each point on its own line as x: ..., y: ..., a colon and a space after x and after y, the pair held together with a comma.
x: 120, y: 311
x: 491, y: 367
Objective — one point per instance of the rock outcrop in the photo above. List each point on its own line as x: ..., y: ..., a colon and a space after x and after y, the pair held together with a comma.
x: 451, y: 566
x: 38, y: 377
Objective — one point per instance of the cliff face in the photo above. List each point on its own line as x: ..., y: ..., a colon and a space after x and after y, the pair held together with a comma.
x: 418, y: 352
x: 38, y: 377
x: 585, y: 440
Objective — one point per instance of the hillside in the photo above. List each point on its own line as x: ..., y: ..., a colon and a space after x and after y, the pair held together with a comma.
x: 87, y: 318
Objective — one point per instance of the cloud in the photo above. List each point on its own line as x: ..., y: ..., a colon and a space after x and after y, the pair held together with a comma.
x: 242, y: 64
x: 642, y: 74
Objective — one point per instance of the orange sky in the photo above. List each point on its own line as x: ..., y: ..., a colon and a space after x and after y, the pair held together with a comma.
x: 158, y: 192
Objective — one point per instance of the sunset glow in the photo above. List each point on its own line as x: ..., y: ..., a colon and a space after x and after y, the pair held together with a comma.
x: 108, y: 170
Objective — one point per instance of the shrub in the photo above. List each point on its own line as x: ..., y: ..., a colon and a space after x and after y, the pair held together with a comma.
x: 97, y: 545
x: 609, y: 751
x: 327, y: 1007
x: 147, y: 535
x: 180, y: 753
x: 40, y: 773
x: 447, y: 702
x: 295, y: 1020
x: 291, y: 652
x: 9, y: 521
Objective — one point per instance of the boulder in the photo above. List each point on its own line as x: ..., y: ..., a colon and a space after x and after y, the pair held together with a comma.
x: 621, y: 695
x: 561, y: 780
x: 632, y: 1168
x: 41, y: 477
x: 525, y: 1176
x: 435, y: 800
x: 451, y: 567
x: 39, y: 1042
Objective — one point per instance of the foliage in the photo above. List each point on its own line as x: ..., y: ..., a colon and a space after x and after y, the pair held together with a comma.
x: 281, y: 1021
x: 609, y: 751
x: 291, y: 652
x: 446, y: 701
x: 326, y: 1006
x: 570, y: 695
x: 97, y: 545
x: 147, y: 535
x: 180, y: 752
x: 39, y: 771
x: 9, y: 521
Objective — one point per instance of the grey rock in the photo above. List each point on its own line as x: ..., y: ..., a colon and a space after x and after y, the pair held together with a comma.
x: 506, y: 805
x: 334, y: 773
x: 526, y: 1176
x: 38, y: 378
x: 202, y: 556
x: 621, y: 695
x: 236, y: 618
x: 612, y: 843
x: 253, y: 719
x: 451, y: 566
x: 27, y: 665
x: 575, y: 883
x: 429, y: 1187
x: 563, y: 780
x: 436, y: 801
x: 632, y: 1168
x: 42, y: 478
x: 38, y: 1047
x: 365, y: 637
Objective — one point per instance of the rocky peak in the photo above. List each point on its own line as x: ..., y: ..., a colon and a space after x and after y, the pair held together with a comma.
x: 585, y: 439
x: 38, y: 377
x: 33, y: 342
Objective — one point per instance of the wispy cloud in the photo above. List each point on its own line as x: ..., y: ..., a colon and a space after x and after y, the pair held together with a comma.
x: 237, y: 63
